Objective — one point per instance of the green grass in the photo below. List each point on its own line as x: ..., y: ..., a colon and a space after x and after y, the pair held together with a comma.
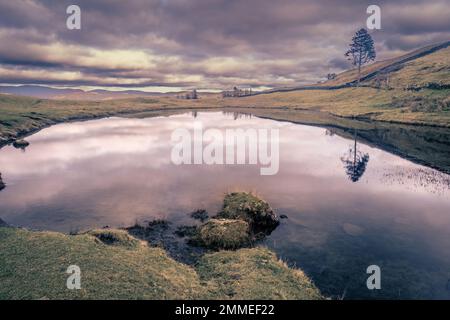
x: 33, y: 266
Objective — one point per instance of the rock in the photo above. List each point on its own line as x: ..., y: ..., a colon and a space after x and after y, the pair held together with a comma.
x: 21, y: 144
x: 352, y: 230
x: 247, y: 207
x: 224, y: 234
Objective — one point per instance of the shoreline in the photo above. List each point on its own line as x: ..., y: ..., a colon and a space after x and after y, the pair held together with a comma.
x: 27, y: 115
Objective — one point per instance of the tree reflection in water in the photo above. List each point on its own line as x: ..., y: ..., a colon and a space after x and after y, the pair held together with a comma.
x: 355, y: 162
x: 2, y: 185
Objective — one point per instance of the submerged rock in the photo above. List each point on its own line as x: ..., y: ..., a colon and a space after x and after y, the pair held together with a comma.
x: 186, y: 231
x: 200, y: 214
x: 352, y: 229
x: 224, y: 234
x: 163, y: 234
x: 248, y: 207
x: 21, y: 144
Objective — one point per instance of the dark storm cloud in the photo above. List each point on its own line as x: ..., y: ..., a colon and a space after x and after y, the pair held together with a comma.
x: 205, y: 43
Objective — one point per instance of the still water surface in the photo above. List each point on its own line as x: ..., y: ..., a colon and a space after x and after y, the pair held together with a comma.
x: 116, y: 171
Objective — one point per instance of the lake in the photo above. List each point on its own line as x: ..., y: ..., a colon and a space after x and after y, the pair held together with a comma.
x: 386, y: 211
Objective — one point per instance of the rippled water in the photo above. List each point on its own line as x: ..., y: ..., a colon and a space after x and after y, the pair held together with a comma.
x: 116, y: 171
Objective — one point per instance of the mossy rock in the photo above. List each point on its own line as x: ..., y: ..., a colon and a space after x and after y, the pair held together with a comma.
x: 21, y: 144
x: 224, y: 234
x: 115, y: 237
x: 250, y: 208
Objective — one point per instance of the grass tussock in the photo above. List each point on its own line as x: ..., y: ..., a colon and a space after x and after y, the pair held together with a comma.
x: 224, y: 234
x: 250, y: 208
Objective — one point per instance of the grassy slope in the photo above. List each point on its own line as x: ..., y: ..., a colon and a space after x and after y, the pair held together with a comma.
x: 431, y: 52
x: 33, y: 265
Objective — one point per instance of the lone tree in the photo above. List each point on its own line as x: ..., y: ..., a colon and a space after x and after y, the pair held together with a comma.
x: 361, y: 50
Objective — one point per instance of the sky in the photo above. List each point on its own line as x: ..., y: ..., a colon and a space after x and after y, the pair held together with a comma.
x: 168, y: 45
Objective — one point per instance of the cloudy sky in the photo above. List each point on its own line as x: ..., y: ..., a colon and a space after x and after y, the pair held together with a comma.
x: 160, y: 45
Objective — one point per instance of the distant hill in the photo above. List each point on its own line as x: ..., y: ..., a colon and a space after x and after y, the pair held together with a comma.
x: 44, y: 92
x: 36, y: 91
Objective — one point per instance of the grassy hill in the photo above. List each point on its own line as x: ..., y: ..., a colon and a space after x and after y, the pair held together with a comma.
x: 431, y: 63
